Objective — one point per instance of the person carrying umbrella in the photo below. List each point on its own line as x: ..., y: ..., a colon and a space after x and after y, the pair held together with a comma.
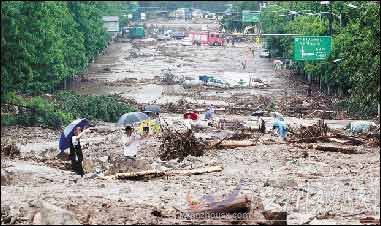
x: 130, y: 140
x: 76, y: 155
x: 130, y: 143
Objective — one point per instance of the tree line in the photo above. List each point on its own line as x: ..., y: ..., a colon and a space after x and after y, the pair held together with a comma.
x: 43, y: 44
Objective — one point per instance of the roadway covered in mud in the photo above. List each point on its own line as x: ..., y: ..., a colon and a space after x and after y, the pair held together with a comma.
x: 310, y: 182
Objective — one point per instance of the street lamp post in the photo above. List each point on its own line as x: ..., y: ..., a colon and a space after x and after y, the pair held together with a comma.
x: 330, y: 19
x: 330, y: 16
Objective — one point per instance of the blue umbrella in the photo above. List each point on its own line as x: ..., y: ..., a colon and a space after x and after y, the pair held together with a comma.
x: 131, y: 118
x: 68, y: 132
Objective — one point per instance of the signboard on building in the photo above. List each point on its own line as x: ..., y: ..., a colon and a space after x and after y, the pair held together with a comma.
x: 250, y: 16
x: 312, y: 47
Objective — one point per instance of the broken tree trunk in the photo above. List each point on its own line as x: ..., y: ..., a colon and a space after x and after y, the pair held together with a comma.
x: 232, y: 144
x: 349, y: 140
x: 238, y: 205
x: 210, y: 169
x: 147, y: 174
x: 336, y: 149
x: 139, y: 175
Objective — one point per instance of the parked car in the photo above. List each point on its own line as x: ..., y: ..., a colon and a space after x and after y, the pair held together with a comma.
x: 265, y: 53
x: 164, y: 37
x: 178, y: 35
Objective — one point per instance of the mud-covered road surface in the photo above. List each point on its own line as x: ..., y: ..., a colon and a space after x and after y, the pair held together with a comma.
x: 312, y: 186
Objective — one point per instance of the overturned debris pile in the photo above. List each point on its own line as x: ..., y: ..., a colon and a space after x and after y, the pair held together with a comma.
x: 248, y: 103
x: 372, y: 137
x: 179, y: 107
x: 176, y: 144
x: 168, y: 78
x: 316, y: 130
x: 317, y: 106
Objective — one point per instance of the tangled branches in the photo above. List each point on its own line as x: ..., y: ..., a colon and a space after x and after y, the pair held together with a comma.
x: 176, y: 144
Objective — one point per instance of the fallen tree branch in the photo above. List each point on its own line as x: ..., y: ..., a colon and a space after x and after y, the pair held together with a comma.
x: 350, y: 140
x: 345, y: 150
x: 238, y: 205
x: 147, y: 174
x: 336, y: 149
x: 210, y: 169
x: 232, y: 144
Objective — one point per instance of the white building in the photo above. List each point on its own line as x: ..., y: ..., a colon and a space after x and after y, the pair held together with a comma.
x: 197, y: 13
x: 111, y: 23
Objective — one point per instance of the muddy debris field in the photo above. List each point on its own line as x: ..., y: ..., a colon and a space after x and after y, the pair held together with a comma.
x: 235, y: 170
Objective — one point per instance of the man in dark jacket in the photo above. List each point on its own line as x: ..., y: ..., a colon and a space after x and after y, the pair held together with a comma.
x: 76, y: 155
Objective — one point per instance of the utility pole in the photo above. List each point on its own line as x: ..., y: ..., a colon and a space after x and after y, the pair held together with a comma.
x: 330, y: 19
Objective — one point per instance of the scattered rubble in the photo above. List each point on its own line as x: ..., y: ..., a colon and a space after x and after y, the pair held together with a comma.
x: 53, y: 215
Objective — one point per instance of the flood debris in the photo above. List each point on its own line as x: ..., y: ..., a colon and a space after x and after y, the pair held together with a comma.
x: 178, y: 144
x: 9, y: 149
x: 370, y: 220
x: 344, y: 150
x: 239, y: 205
x: 53, y: 215
x: 169, y: 78
x: 275, y: 218
x: 316, y: 130
x: 316, y: 106
x: 6, y: 177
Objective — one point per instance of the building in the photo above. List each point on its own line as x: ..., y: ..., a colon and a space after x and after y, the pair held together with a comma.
x: 111, y: 24
x: 183, y: 13
x: 197, y: 13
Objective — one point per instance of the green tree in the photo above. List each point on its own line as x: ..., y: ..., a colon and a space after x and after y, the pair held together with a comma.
x: 90, y: 24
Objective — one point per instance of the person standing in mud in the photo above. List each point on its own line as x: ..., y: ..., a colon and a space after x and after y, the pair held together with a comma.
x: 130, y: 143
x: 76, y: 155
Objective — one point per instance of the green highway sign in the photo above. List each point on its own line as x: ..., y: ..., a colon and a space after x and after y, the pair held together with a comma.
x: 250, y: 16
x: 312, y: 47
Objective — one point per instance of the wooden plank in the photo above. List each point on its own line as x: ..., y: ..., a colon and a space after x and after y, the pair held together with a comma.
x: 147, y: 174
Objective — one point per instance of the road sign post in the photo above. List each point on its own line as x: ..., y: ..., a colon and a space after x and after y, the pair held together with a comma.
x: 312, y: 47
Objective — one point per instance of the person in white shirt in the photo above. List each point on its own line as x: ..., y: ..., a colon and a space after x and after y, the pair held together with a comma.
x: 188, y: 122
x: 130, y: 143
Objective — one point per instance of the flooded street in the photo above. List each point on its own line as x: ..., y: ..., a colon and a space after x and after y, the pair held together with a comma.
x: 311, y: 185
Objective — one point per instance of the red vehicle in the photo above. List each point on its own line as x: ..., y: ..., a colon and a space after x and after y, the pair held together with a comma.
x: 207, y: 37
